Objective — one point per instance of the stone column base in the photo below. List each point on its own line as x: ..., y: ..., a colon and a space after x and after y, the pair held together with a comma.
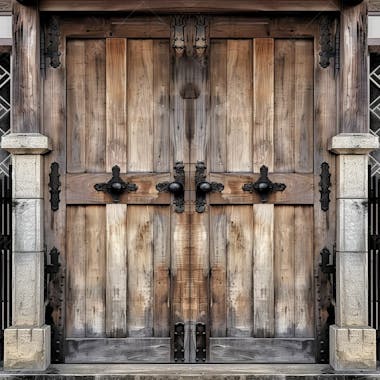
x: 352, y: 348
x: 27, y: 348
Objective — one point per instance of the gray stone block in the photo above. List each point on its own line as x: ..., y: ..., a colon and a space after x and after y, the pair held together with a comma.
x: 26, y: 143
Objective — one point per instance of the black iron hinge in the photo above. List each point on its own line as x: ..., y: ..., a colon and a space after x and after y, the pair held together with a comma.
x: 328, y: 268
x: 201, y: 342
x: 179, y: 342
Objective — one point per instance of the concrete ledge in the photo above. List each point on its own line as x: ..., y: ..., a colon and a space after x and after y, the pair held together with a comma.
x: 26, y: 143
x: 354, y: 143
x: 352, y: 348
x: 27, y: 348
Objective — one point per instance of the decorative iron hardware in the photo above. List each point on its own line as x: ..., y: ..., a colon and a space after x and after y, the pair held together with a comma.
x: 179, y: 342
x: 328, y: 268
x: 177, y: 188
x: 54, y: 265
x: 325, y: 185
x: 52, y: 48
x: 326, y: 42
x: 115, y: 186
x: 203, y: 187
x: 178, y: 37
x: 55, y: 186
x: 263, y: 186
x: 201, y: 342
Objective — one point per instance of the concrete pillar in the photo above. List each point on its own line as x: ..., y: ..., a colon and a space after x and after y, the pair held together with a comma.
x: 352, y: 342
x: 27, y: 341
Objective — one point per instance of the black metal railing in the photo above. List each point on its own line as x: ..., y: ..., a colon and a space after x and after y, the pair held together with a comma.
x: 5, y: 256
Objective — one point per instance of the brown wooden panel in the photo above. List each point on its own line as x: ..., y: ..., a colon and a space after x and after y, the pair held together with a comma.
x: 260, y: 350
x: 122, y: 350
x: 140, y: 106
x: 239, y: 270
x: 239, y: 105
x: 76, y: 272
x: 140, y: 271
x: 116, y: 103
x: 299, y: 189
x: 95, y: 271
x: 284, y: 235
x: 116, y: 276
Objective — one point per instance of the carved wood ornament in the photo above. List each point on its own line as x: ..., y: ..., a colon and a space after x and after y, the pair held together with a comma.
x: 327, y: 43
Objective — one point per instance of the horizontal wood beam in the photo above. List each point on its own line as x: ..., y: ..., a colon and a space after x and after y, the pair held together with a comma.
x: 191, y: 6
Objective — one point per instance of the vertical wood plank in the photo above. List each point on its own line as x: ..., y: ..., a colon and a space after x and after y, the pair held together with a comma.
x: 284, y: 271
x: 161, y: 111
x: 303, y: 272
x: 116, y: 276
x: 161, y: 268
x: 304, y: 98
x: 239, y: 105
x: 116, y: 103
x: 263, y: 268
x: 76, y: 272
x: 263, y: 103
x: 218, y: 113
x: 76, y: 98
x: 95, y: 108
x: 284, y: 105
x: 140, y: 106
x: 239, y: 271
x: 140, y: 270
x: 95, y: 271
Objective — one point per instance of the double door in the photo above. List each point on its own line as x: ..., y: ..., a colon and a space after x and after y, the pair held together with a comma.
x: 189, y: 163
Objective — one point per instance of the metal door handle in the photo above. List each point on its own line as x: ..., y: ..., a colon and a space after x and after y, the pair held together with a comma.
x: 177, y: 187
x: 202, y: 187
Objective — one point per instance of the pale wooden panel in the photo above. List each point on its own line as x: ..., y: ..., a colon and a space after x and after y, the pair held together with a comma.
x: 95, y: 271
x: 304, y: 107
x: 218, y: 265
x: 284, y: 124
x: 263, y: 265
x: 122, y: 350
x: 263, y: 103
x: 95, y: 111
x: 76, y: 272
x: 161, y: 276
x: 116, y: 103
x: 284, y: 271
x: 259, y: 350
x: 116, y: 285
x: 161, y: 112
x: 239, y: 270
x: 140, y: 270
x: 239, y: 105
x: 140, y: 106
x: 76, y: 116
x: 218, y: 113
x: 304, y: 272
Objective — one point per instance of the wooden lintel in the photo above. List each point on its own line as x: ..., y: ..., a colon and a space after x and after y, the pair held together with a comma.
x: 191, y: 6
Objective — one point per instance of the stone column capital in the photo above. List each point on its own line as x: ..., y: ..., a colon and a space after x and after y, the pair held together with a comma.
x: 26, y: 143
x: 353, y: 143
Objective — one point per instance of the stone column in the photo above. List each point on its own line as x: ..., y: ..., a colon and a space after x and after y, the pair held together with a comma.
x: 352, y: 342
x: 27, y: 341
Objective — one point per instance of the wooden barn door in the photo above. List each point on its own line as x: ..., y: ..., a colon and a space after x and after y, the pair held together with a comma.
x: 221, y: 277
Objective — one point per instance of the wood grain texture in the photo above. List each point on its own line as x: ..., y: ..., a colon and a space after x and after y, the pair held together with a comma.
x: 122, y: 350
x: 116, y: 103
x: 140, y: 271
x: 116, y: 272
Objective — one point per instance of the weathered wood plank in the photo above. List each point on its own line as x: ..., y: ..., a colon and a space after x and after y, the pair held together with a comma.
x: 263, y: 268
x: 76, y: 100
x: 299, y: 189
x: 116, y: 272
x: 239, y: 270
x: 76, y: 272
x: 261, y: 350
x: 95, y: 271
x: 140, y: 106
x: 121, y: 350
x: 239, y: 105
x: 116, y: 103
x: 140, y: 271
x: 284, y: 236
